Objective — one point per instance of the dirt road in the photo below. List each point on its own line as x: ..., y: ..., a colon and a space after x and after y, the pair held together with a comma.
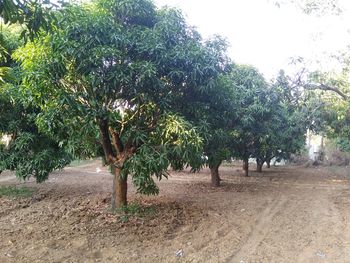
x: 285, y: 214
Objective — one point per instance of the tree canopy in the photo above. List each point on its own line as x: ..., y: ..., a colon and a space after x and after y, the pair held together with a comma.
x: 123, y: 71
x: 137, y: 85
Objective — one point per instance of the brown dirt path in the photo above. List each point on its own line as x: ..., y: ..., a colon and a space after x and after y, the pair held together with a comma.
x: 286, y: 214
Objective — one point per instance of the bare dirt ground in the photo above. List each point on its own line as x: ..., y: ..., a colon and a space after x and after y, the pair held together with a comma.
x: 285, y: 214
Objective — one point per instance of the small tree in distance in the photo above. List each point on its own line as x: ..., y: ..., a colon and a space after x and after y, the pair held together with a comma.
x: 250, y: 93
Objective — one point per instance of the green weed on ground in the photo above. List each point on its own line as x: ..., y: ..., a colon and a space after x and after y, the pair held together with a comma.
x: 13, y: 191
x: 135, y: 210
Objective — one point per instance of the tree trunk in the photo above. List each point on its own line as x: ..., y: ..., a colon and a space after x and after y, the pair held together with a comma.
x: 268, y: 163
x: 259, y: 165
x: 246, y: 166
x: 322, y: 153
x: 215, y: 178
x: 120, y: 189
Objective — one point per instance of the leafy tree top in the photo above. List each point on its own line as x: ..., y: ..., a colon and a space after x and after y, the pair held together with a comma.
x: 120, y: 74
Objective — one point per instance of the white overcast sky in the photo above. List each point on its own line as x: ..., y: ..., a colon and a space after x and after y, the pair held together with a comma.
x: 263, y: 35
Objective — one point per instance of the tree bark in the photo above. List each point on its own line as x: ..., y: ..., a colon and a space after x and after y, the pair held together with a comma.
x: 120, y: 190
x: 215, y: 178
x: 246, y: 166
x: 268, y: 163
x: 325, y: 87
x: 259, y: 165
x: 106, y: 142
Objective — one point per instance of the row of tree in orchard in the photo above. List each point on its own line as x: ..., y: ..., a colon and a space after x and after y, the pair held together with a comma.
x: 137, y: 85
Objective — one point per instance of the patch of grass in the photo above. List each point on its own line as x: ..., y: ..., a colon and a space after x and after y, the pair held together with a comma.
x: 13, y: 191
x: 135, y: 210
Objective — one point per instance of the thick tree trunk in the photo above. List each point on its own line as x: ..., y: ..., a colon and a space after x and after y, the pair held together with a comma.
x: 119, y: 191
x: 215, y: 178
x: 116, y: 153
x: 246, y: 166
x: 259, y: 165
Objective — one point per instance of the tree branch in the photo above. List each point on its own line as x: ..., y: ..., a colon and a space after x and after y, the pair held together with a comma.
x: 106, y: 142
x: 327, y: 88
x: 117, y: 142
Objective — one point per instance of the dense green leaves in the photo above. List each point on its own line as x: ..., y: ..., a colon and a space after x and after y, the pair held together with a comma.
x: 30, y: 152
x: 119, y: 75
x: 138, y: 85
x: 174, y: 143
x: 34, y: 15
x: 251, y: 94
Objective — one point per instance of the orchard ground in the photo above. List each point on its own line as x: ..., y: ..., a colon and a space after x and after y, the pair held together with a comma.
x: 285, y: 214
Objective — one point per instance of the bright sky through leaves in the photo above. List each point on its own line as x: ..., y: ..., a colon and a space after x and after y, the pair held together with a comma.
x: 266, y: 36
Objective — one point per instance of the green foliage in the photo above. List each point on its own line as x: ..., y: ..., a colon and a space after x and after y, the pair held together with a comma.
x: 269, y: 119
x: 332, y: 102
x: 289, y: 122
x: 337, y: 119
x: 33, y: 155
x: 34, y: 15
x: 30, y: 152
x: 212, y: 113
x: 343, y: 143
x: 174, y: 143
x: 119, y: 75
x: 252, y: 110
x: 141, y: 87
x: 13, y: 191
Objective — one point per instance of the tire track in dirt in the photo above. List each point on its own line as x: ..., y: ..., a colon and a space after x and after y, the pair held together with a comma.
x: 330, y: 246
x: 276, y: 234
x: 259, y: 231
x: 263, y: 224
x: 292, y: 215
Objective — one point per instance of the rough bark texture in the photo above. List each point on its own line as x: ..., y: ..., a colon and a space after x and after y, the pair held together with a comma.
x: 115, y: 157
x: 246, y: 166
x: 215, y: 178
x: 120, y: 190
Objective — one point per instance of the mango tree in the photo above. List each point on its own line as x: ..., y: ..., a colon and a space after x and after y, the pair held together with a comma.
x: 290, y: 121
x: 123, y: 70
x: 284, y: 125
x: 250, y: 91
x: 331, y: 90
x: 213, y: 113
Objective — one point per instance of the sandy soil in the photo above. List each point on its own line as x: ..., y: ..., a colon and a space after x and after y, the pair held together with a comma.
x: 285, y: 214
